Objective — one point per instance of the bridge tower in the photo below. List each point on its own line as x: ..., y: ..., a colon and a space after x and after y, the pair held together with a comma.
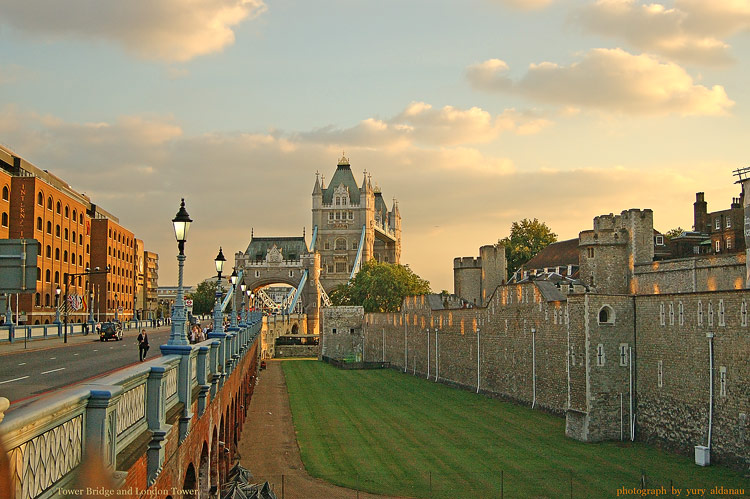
x: 353, y: 224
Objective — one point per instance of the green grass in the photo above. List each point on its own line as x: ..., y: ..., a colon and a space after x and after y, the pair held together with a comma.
x: 390, y: 433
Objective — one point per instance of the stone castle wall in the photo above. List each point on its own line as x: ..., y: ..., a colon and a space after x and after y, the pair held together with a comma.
x: 567, y: 358
x: 708, y: 273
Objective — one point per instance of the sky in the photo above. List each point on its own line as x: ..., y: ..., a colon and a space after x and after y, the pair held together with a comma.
x: 473, y: 114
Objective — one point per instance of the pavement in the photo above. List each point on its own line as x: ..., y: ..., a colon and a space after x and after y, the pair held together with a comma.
x: 268, y: 445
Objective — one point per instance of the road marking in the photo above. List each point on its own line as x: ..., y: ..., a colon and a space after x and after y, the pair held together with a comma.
x: 52, y: 358
x: 75, y: 354
x: 22, y: 364
x: 11, y: 380
x: 53, y: 370
x: 96, y: 350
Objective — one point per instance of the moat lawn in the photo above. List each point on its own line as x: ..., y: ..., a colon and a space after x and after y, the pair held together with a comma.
x: 389, y: 433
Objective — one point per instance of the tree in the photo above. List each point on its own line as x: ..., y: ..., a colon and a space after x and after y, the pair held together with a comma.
x: 380, y: 287
x: 671, y: 234
x: 204, y: 297
x: 527, y: 238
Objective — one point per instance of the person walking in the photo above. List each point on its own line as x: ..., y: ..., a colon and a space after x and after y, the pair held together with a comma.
x: 142, y: 345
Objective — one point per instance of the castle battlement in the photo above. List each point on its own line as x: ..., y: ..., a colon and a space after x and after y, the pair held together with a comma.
x: 467, y: 262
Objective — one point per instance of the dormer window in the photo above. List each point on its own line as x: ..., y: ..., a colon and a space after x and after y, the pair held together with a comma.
x: 338, y: 202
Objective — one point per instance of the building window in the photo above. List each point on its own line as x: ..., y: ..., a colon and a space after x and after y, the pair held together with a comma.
x: 338, y: 201
x: 80, y: 238
x: 57, y: 253
x: 65, y: 256
x: 729, y: 222
x: 660, y: 240
x: 721, y: 313
x: 6, y: 193
x: 67, y: 211
x: 330, y: 215
x: 590, y: 252
x: 355, y: 245
x: 47, y: 276
x: 40, y: 199
x: 75, y: 215
x: 57, y: 230
x: 38, y: 274
x: 718, y: 246
x: 600, y: 357
x: 39, y: 223
x: 671, y: 314
x: 291, y: 273
x: 743, y: 313
x: 333, y: 330
x: 58, y: 208
x: 700, y: 313
x: 660, y: 373
x: 351, y: 215
x: 681, y: 313
x: 710, y: 314
x: 729, y: 243
x: 65, y: 232
x: 5, y: 219
x: 723, y: 381
x: 46, y: 299
x: 662, y: 315
x: 49, y: 228
x: 340, y: 244
x: 49, y: 203
x: 48, y: 251
x: 257, y: 273
x: 340, y: 267
x: 623, y: 354
x: 717, y: 223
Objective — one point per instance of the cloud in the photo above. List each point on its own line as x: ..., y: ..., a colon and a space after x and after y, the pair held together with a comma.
x: 419, y: 123
x: 169, y: 30
x: 525, y: 4
x: 138, y: 168
x: 611, y: 80
x: 690, y: 32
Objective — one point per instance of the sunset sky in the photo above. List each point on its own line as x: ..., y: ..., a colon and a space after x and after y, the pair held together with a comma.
x: 472, y: 113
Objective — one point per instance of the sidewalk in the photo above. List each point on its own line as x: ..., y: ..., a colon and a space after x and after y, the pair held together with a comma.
x: 268, y: 446
x: 52, y: 342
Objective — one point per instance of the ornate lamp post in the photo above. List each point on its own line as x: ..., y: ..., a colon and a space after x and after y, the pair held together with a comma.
x: 243, y: 287
x: 233, y: 280
x: 218, y: 323
x: 181, y: 222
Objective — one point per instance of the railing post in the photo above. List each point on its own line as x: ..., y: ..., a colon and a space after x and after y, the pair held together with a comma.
x: 202, y: 362
x: 221, y: 372
x: 101, y: 423
x: 155, y: 418
x: 213, y: 365
x: 184, y: 383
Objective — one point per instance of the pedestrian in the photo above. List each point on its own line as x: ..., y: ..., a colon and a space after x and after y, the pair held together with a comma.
x: 142, y: 345
x: 192, y: 334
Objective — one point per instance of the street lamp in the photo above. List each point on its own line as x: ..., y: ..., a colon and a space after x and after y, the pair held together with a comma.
x: 243, y: 287
x: 178, y: 333
x: 233, y: 280
x: 219, y: 263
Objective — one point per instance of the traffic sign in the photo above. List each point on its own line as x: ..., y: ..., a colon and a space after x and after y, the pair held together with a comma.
x: 18, y: 272
x: 189, y: 303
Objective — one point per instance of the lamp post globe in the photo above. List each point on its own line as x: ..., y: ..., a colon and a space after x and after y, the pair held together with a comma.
x: 57, y: 304
x: 218, y: 322
x: 233, y: 317
x: 181, y: 224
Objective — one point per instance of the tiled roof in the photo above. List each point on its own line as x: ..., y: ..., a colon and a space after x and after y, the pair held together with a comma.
x: 560, y: 254
x: 344, y: 176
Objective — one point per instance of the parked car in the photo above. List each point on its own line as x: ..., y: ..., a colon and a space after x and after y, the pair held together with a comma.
x: 110, y: 330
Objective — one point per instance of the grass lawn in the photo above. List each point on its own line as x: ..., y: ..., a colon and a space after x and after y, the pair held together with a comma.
x: 390, y: 433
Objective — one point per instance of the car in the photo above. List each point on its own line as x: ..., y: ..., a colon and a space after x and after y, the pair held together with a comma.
x: 110, y: 330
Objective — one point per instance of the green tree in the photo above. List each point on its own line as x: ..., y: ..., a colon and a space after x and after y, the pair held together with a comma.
x: 380, y: 287
x: 204, y: 297
x: 527, y: 238
x: 671, y: 234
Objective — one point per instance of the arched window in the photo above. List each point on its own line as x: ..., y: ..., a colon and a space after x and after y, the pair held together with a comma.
x: 57, y: 253
x: 340, y: 244
x: 47, y: 276
x: 57, y: 230
x: 40, y: 199
x: 58, y: 208
x: 5, y: 219
x: 38, y: 274
x: 6, y: 193
x: 57, y: 277
x: 39, y: 223
x: 67, y: 211
x: 48, y: 251
x: 49, y: 227
x: 80, y: 238
x: 37, y: 300
x: 46, y: 299
x: 606, y: 315
x: 87, y: 249
x: 65, y: 232
x: 80, y: 218
x: 75, y: 215
x: 49, y: 203
x: 65, y: 256
x: 74, y: 237
x: 80, y: 259
x: 110, y: 233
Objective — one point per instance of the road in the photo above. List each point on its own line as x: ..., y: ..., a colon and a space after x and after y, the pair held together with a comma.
x: 28, y: 375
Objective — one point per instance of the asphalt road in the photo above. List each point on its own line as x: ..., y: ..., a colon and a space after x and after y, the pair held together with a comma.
x: 28, y: 375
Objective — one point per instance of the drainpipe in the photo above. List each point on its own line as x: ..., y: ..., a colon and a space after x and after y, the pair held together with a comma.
x: 710, y: 337
x: 437, y: 355
x: 533, y: 367
x: 478, y: 329
x: 630, y: 394
x: 383, y: 344
x: 406, y: 358
x: 428, y: 353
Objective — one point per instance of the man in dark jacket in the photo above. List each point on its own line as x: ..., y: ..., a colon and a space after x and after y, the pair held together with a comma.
x: 142, y: 344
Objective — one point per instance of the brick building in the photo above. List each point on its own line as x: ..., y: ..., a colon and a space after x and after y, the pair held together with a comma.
x: 114, y: 246
x: 151, y: 285
x: 5, y: 184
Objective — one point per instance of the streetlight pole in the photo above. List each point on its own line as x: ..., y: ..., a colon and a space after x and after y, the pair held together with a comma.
x: 249, y: 294
x: 57, y: 308
x: 218, y: 323
x: 178, y: 333
x: 243, y: 287
x: 233, y: 280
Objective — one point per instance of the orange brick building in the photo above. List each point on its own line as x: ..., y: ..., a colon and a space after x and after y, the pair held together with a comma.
x: 113, y: 245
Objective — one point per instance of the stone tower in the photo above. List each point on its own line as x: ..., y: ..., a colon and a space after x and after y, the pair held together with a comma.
x: 348, y: 216
x: 609, y: 253
x: 475, y: 279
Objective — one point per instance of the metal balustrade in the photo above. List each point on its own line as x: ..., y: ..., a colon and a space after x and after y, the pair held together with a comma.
x: 45, y: 439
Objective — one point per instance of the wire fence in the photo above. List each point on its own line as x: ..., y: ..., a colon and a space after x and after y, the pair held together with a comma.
x: 556, y: 484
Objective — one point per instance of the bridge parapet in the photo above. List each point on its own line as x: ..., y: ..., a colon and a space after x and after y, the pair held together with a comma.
x: 124, y: 418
